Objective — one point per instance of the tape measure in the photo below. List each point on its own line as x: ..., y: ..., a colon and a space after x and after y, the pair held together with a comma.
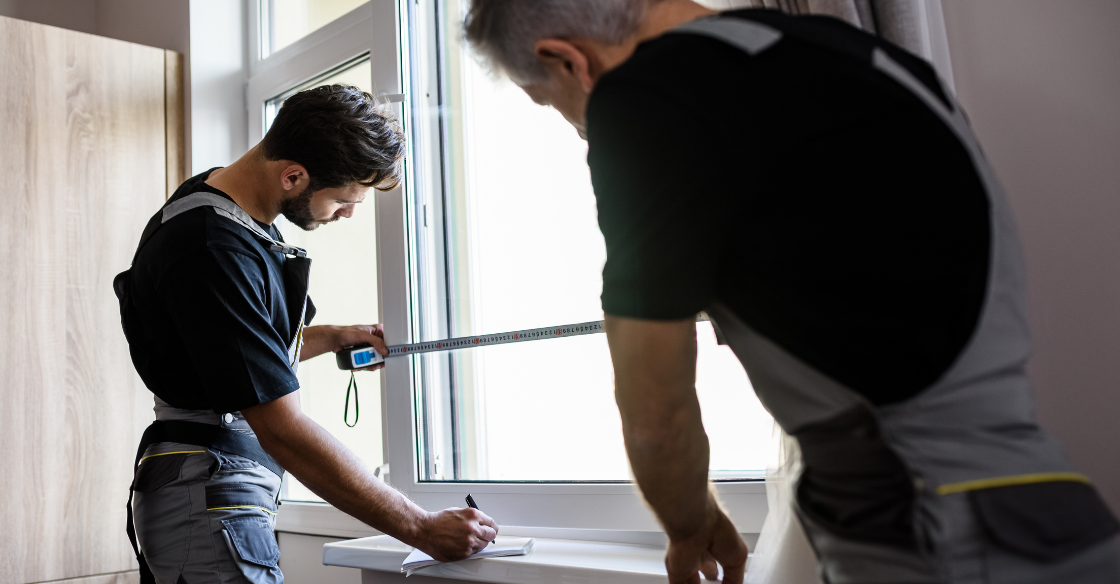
x: 366, y: 356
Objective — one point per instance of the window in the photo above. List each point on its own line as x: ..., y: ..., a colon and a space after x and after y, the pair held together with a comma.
x: 287, y: 21
x: 522, y: 249
x: 494, y: 229
x: 344, y: 288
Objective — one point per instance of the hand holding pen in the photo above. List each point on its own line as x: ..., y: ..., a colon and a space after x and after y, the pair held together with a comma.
x: 473, y: 505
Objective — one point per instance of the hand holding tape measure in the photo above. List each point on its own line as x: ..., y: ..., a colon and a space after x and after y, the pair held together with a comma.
x: 362, y: 356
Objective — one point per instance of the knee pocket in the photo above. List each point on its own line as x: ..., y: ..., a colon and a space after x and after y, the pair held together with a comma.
x: 253, y: 546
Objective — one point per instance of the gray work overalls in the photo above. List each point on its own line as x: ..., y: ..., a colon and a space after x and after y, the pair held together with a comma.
x: 203, y: 502
x: 957, y: 484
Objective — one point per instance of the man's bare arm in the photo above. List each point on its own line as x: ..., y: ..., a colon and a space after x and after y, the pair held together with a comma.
x: 333, y: 472
x: 655, y: 387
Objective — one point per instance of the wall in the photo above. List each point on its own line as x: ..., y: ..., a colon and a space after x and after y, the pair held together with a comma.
x: 220, y: 55
x: 157, y: 23
x: 211, y: 35
x: 85, y: 161
x: 301, y: 560
x: 1040, y: 81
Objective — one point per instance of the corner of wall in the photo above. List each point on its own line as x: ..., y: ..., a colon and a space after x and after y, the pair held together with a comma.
x: 218, y: 71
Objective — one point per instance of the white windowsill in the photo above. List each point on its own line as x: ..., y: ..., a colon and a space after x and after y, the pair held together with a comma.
x: 552, y: 559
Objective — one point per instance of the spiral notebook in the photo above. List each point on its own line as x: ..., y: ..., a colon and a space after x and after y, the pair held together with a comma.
x: 509, y: 546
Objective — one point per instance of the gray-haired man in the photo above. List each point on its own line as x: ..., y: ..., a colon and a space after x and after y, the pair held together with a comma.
x: 819, y: 194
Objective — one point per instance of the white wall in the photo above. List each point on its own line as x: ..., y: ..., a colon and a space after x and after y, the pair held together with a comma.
x: 301, y: 560
x: 219, y: 72
x: 1040, y: 81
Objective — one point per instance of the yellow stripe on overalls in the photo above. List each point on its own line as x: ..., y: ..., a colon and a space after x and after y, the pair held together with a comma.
x: 1027, y: 479
x: 166, y: 453
x: 241, y: 507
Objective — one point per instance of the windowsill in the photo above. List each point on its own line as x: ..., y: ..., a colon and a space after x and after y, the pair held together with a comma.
x: 633, y: 558
x: 552, y: 560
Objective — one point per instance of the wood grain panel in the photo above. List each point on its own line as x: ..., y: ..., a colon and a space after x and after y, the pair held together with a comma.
x: 173, y: 88
x: 83, y: 156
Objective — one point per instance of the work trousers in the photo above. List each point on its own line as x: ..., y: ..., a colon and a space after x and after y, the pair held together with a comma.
x: 955, y: 550
x: 204, y: 516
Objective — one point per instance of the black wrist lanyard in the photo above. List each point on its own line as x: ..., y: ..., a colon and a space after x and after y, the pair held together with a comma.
x: 346, y: 410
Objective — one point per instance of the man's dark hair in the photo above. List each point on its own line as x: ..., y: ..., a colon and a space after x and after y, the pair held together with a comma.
x: 340, y: 135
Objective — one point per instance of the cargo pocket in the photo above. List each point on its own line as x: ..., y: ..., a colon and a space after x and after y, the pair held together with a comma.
x: 156, y: 472
x: 253, y: 545
x: 252, y: 540
x: 853, y: 485
x: 1044, y: 521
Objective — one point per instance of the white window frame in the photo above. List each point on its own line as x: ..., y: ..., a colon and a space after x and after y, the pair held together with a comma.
x: 580, y: 509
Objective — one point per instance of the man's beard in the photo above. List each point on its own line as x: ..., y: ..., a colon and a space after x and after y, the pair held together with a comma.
x: 298, y: 210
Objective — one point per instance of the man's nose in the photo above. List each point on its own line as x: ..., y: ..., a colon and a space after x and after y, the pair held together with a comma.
x: 345, y: 211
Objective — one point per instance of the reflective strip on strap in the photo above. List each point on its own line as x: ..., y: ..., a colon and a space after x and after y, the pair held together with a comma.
x: 228, y: 209
x: 749, y: 36
x: 1027, y: 479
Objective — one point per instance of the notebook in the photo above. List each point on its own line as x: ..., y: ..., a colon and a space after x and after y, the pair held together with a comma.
x: 510, y: 546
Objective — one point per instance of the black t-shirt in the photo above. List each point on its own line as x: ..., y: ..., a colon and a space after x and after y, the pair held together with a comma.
x: 806, y: 191
x: 212, y: 328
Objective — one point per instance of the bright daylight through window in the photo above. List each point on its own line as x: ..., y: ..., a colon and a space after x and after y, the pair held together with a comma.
x: 503, y: 236
x: 523, y: 250
x: 344, y: 289
x: 286, y: 21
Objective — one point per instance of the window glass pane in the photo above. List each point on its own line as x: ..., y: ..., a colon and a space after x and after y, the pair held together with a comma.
x: 523, y: 251
x: 344, y: 289
x: 286, y: 21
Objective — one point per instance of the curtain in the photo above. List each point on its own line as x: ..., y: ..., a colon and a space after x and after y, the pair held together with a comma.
x: 902, y: 22
x: 782, y: 554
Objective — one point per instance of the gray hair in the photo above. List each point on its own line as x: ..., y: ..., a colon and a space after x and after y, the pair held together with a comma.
x: 502, y: 33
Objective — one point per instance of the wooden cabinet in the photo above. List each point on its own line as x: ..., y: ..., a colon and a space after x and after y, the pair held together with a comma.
x: 90, y: 145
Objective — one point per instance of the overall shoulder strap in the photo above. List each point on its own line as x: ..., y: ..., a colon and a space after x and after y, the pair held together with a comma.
x: 223, y: 207
x: 228, y: 209
x: 752, y: 37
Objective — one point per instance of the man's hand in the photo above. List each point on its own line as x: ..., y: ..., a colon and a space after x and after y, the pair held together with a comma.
x: 718, y: 541
x: 330, y: 470
x: 330, y: 339
x: 655, y: 387
x: 453, y: 534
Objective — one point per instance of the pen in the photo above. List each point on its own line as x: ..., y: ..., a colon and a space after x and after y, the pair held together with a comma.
x: 473, y: 505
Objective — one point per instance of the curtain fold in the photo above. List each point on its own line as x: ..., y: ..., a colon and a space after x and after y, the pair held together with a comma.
x: 902, y: 22
x: 783, y: 554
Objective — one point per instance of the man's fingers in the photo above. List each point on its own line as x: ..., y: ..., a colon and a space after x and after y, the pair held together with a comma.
x: 377, y: 338
x: 734, y: 574
x: 682, y: 563
x: 708, y: 567
x: 486, y: 533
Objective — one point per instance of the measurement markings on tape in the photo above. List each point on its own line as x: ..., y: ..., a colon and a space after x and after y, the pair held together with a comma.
x: 359, y: 357
x: 366, y: 356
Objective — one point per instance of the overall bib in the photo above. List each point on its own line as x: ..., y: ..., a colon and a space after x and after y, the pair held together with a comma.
x: 957, y: 484
x: 203, y: 501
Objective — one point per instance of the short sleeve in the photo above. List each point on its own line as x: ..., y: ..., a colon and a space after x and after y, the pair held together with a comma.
x: 218, y: 301
x: 657, y: 210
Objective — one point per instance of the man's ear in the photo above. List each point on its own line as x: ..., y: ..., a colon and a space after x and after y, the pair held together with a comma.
x: 294, y: 177
x: 562, y: 58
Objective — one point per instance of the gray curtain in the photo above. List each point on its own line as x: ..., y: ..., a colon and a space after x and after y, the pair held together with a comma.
x: 903, y: 22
